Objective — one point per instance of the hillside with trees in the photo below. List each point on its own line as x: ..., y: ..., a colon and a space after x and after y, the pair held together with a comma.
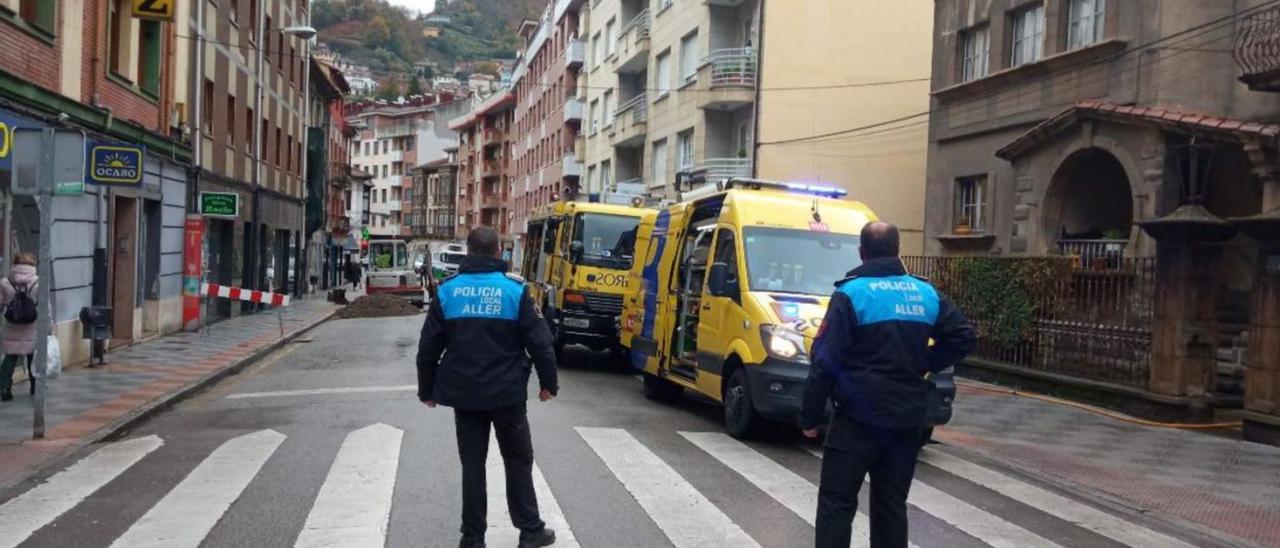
x: 387, y: 38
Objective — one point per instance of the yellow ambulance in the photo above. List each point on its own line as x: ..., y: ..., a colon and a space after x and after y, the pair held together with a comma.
x: 733, y: 283
x: 577, y: 261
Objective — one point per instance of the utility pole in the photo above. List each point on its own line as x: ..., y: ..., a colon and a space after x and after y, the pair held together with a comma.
x: 44, y: 275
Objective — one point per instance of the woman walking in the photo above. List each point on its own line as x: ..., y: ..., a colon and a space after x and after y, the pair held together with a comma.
x: 18, y: 292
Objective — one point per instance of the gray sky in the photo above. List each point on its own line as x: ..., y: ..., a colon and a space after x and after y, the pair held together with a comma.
x: 424, y: 6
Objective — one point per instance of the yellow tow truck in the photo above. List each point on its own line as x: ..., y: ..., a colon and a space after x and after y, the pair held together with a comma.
x: 577, y: 261
x: 733, y: 284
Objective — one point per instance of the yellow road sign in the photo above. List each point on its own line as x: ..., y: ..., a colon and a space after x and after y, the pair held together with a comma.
x: 153, y: 9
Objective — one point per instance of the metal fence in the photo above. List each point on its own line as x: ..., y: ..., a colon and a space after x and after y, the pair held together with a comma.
x: 1055, y: 314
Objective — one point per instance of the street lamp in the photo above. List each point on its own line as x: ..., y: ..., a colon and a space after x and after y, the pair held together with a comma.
x: 255, y: 267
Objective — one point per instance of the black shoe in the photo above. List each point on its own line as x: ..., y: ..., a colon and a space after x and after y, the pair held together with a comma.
x: 545, y: 537
x: 6, y: 395
x: 468, y: 542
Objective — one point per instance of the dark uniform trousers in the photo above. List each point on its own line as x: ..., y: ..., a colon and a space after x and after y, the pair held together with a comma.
x: 511, y: 427
x: 852, y: 451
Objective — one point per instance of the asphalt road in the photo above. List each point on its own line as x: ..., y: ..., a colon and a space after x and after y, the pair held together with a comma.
x: 325, y: 444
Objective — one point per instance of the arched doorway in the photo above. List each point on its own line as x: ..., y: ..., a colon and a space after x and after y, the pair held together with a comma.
x: 1088, y: 209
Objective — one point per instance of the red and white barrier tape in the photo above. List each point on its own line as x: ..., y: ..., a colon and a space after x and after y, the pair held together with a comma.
x: 238, y: 294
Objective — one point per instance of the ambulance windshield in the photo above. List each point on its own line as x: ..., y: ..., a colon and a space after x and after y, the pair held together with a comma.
x: 798, y: 261
x: 608, y: 241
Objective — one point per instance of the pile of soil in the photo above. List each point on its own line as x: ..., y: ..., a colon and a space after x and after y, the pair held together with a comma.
x: 378, y: 305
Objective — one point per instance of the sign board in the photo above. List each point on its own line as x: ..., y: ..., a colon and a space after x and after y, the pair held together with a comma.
x: 153, y: 9
x: 114, y: 164
x: 68, y: 162
x: 219, y: 204
x: 364, y: 233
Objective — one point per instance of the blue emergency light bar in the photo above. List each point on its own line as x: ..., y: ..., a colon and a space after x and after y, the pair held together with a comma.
x: 813, y: 190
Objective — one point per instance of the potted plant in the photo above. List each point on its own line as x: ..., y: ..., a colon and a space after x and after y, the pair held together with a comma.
x: 963, y: 227
x: 1117, y: 239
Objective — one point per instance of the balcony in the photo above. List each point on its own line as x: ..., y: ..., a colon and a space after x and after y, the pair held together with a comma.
x: 571, y: 166
x: 490, y: 202
x: 491, y: 136
x: 719, y: 169
x: 490, y: 169
x: 632, y: 48
x: 1257, y: 50
x: 729, y: 77
x: 631, y: 122
x: 575, y: 53
x: 573, y: 110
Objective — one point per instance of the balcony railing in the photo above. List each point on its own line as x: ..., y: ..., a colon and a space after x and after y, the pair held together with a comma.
x: 632, y: 45
x: 571, y: 166
x: 637, y: 107
x: 639, y: 23
x: 575, y: 54
x: 1257, y: 49
x: 717, y: 169
x: 1095, y: 253
x: 573, y: 110
x: 732, y: 67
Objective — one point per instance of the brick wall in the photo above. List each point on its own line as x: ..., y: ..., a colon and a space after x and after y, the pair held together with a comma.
x: 29, y: 57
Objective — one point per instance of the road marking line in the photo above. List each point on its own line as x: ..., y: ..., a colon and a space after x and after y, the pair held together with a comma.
x: 501, y: 531
x: 27, y: 513
x: 354, y: 502
x: 185, y: 516
x: 979, y: 523
x: 324, y: 391
x: 785, y: 486
x: 1079, y: 514
x: 684, y: 515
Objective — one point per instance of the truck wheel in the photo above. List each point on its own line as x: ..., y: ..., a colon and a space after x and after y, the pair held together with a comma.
x: 659, y: 389
x: 740, y: 417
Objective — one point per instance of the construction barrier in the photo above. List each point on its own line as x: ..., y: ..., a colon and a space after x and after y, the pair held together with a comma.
x: 239, y: 294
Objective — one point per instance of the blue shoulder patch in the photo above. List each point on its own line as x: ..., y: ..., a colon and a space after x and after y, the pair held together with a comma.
x: 892, y: 298
x: 488, y: 295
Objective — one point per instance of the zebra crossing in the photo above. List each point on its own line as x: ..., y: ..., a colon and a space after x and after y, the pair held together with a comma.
x: 353, y: 506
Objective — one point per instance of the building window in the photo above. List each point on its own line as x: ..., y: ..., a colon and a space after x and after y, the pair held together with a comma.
x: 608, y: 108
x: 606, y: 176
x: 591, y: 179
x: 975, y: 46
x: 248, y: 128
x: 41, y: 14
x: 117, y: 38
x: 609, y: 37
x: 1085, y: 22
x: 595, y: 51
x: 386, y: 146
x: 684, y: 150
x: 970, y: 214
x: 206, y: 115
x: 1028, y: 35
x: 689, y: 57
x: 592, y: 119
x: 659, y: 158
x: 150, y: 57
x: 231, y: 120
x: 662, y: 73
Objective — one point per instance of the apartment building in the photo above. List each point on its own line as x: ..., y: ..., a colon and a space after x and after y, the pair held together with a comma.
x: 246, y: 88
x: 819, y: 76
x: 435, y: 206
x: 88, y: 66
x: 670, y: 92
x: 1112, y: 132
x: 485, y: 143
x: 391, y: 141
x: 328, y: 176
x: 547, y: 115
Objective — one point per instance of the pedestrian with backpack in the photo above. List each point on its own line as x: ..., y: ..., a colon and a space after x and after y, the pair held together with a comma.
x: 18, y: 300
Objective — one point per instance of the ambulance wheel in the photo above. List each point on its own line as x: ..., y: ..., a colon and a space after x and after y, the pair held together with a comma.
x: 659, y: 389
x: 740, y: 417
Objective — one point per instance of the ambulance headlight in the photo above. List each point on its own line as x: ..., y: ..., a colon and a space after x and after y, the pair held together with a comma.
x: 783, y: 343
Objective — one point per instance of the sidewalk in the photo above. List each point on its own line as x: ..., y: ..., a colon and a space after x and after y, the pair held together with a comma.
x: 1218, y: 484
x: 87, y: 404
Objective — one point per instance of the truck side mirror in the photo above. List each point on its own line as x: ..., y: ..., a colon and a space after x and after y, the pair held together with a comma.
x: 576, y: 249
x: 718, y: 280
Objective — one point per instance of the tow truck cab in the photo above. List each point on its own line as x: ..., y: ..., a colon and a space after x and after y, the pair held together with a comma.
x: 577, y: 260
x: 733, y: 284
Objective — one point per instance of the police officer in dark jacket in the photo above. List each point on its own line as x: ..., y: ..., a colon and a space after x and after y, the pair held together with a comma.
x: 870, y: 359
x: 486, y: 326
